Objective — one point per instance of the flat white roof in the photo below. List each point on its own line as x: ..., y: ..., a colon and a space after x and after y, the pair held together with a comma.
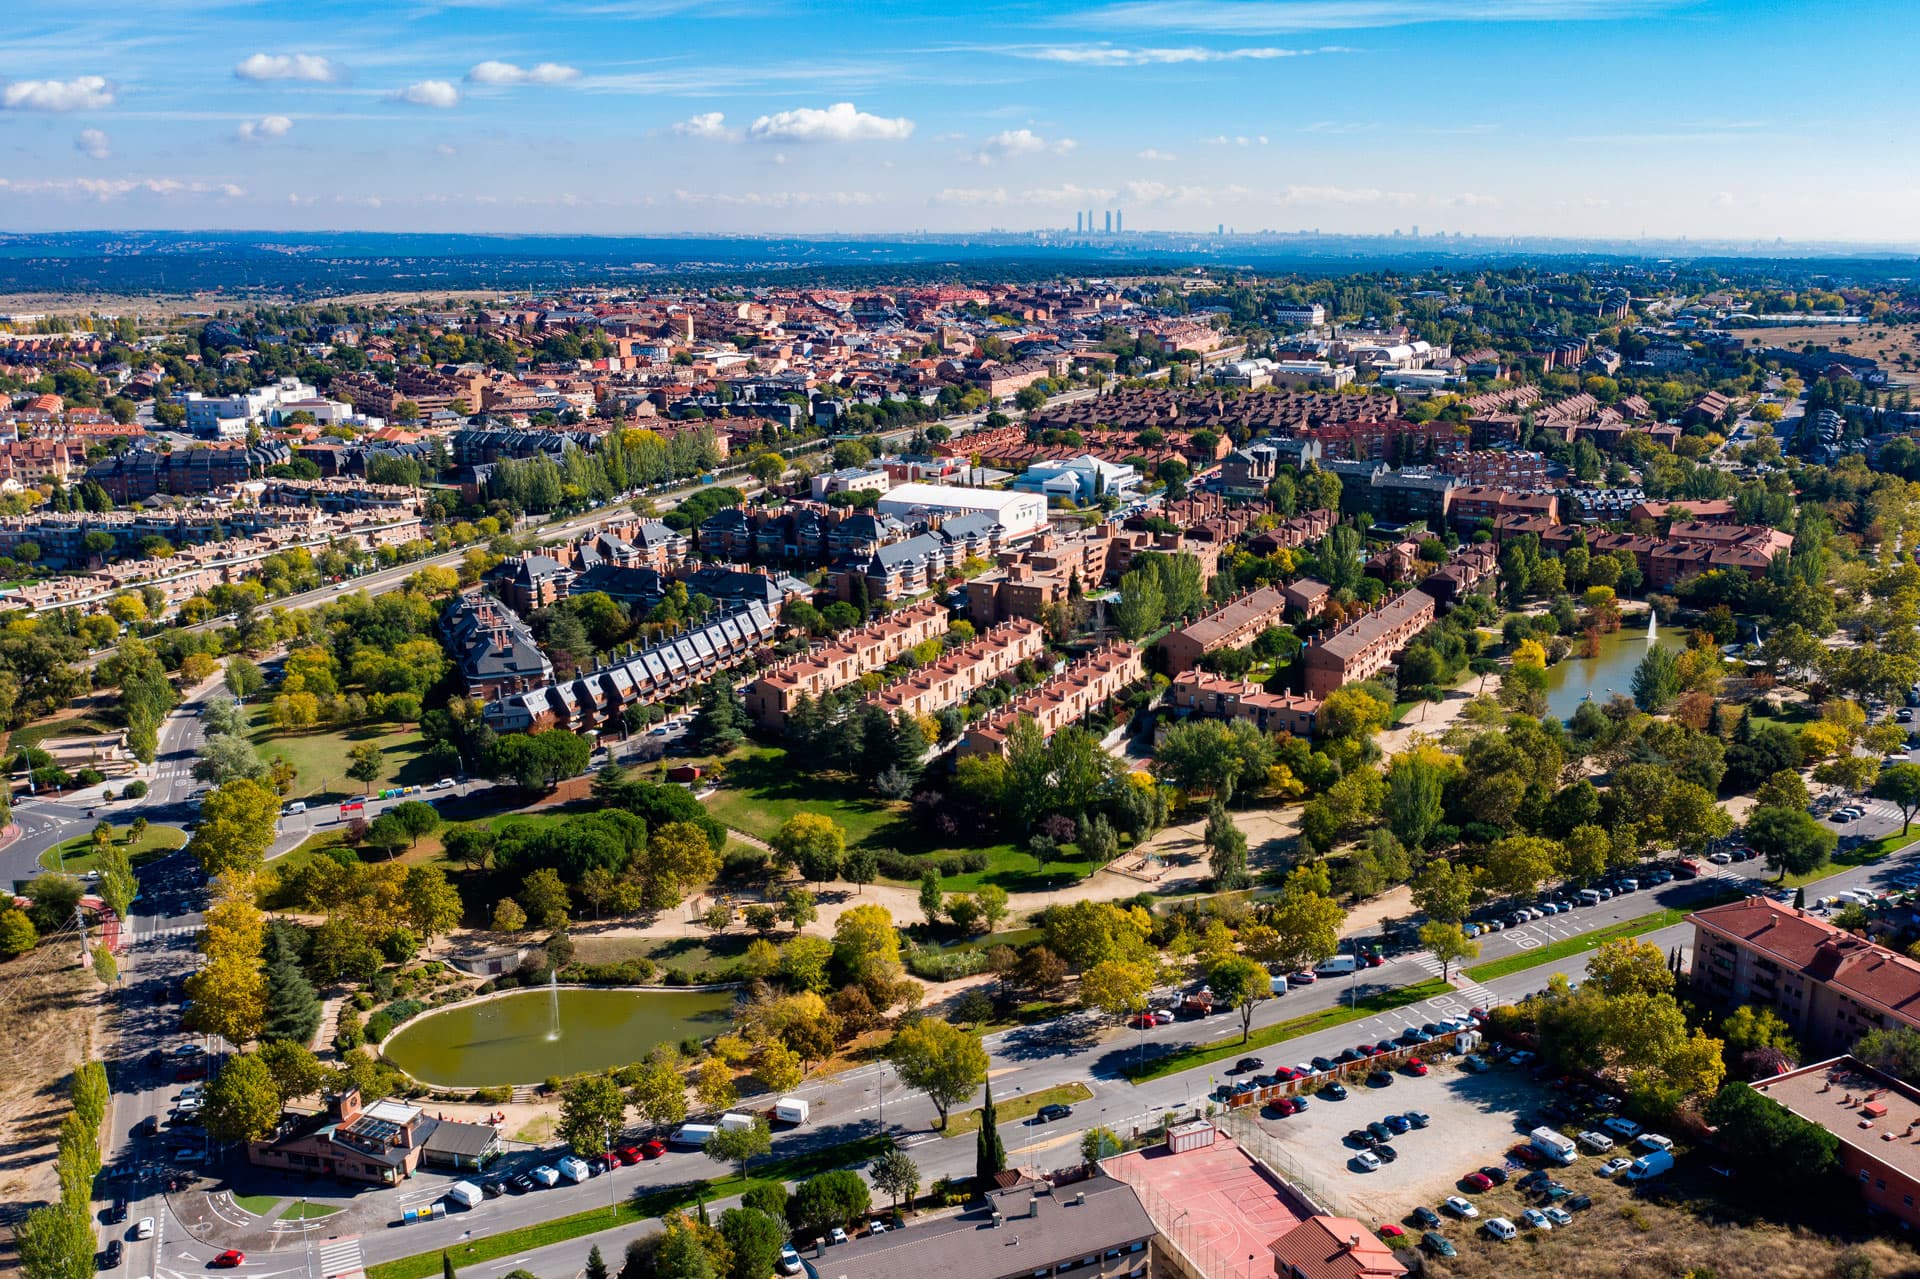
x: 903, y: 496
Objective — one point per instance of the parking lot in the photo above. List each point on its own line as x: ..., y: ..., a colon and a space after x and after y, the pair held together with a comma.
x: 1472, y: 1120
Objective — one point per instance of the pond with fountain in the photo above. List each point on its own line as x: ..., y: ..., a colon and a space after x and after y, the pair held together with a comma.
x: 1574, y: 680
x: 526, y: 1036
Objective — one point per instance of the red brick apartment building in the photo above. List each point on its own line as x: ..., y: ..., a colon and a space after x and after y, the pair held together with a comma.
x: 1063, y: 699
x: 1874, y: 1116
x: 1368, y: 645
x: 1232, y: 625
x: 841, y: 661
x: 1217, y: 697
x: 949, y: 680
x: 1830, y: 986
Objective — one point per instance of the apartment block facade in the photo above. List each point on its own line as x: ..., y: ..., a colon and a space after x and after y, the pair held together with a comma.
x: 949, y: 680
x: 841, y: 661
x: 1368, y: 645
x: 1232, y: 625
x: 1216, y: 697
x: 1065, y: 698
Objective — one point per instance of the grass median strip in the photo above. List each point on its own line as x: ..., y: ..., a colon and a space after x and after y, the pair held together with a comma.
x: 1021, y: 1107
x: 1599, y: 937
x: 637, y: 1207
x: 1327, y: 1018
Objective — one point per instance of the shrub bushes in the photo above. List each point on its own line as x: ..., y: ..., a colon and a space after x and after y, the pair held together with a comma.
x: 401, y: 1009
x: 914, y: 868
x: 379, y: 1026
x: 627, y: 972
x: 929, y: 964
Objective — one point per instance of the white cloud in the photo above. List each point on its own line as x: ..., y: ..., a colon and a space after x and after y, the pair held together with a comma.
x: 1107, y: 55
x: 93, y: 144
x: 1723, y: 200
x: 1265, y: 17
x: 1154, y: 153
x: 491, y: 72
x: 446, y: 150
x: 1148, y: 191
x: 977, y: 197
x: 708, y: 126
x: 1016, y: 142
x: 290, y: 66
x: 840, y: 122
x: 104, y: 189
x: 1342, y: 195
x: 82, y: 93
x: 273, y: 126
x: 429, y: 93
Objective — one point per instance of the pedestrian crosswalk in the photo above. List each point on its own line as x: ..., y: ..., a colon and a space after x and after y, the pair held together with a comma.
x: 341, y: 1259
x: 173, y: 930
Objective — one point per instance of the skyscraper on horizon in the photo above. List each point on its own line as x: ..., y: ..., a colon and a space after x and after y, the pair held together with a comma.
x: 1109, y: 223
x: 1119, y: 226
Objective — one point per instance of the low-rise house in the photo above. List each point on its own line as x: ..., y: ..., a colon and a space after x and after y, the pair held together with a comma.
x: 1367, y: 645
x: 841, y: 661
x: 493, y: 649
x: 381, y: 1144
x: 1215, y: 697
x: 1065, y: 698
x: 1232, y: 625
x: 955, y: 674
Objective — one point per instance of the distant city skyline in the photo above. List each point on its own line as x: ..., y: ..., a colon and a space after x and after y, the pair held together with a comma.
x: 1621, y: 119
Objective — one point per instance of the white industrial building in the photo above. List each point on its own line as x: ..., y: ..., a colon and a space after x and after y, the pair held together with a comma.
x: 1020, y: 514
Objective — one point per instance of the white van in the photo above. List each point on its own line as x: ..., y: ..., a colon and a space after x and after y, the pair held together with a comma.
x: 1338, y: 966
x: 1589, y: 897
x: 574, y: 1169
x: 297, y: 807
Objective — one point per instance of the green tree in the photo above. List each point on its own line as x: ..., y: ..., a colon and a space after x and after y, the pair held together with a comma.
x: 1442, y: 892
x: 812, y: 843
x: 1141, y: 604
x: 592, y: 1108
x: 1900, y: 785
x: 117, y: 884
x: 1098, y: 1143
x: 1413, y: 806
x: 740, y: 1146
x: 1239, y: 983
x: 1790, y: 840
x: 17, y: 933
x: 895, y: 1173
x: 836, y: 1198
x: 243, y: 1102
x: 754, y: 1239
x: 1770, y: 1142
x: 989, y: 1153
x: 939, y: 1059
x: 930, y: 896
x: 659, y: 1093
x: 365, y: 763
x: 596, y: 1267
x: 1656, y: 680
x: 237, y: 826
x: 1226, y: 850
x: 1448, y: 943
x: 56, y: 1242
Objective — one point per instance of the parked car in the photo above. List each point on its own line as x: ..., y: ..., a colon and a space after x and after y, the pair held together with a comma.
x: 1580, y: 1203
x: 1334, y: 1092
x: 1426, y: 1216
x: 1502, y: 1229
x: 836, y: 1235
x: 1462, y: 1208
x: 1494, y: 1173
x: 1621, y: 1125
x: 1380, y: 1079
x: 1415, y: 1066
x: 1438, y: 1245
x: 1535, y: 1219
x: 1379, y: 1131
x: 1366, y: 1161
x: 1557, y: 1215
x: 789, y: 1262
x: 1477, y: 1181
x: 1385, y: 1154
x: 1596, y: 1142
x: 1612, y: 1166
x: 1398, y: 1123
x: 653, y: 1149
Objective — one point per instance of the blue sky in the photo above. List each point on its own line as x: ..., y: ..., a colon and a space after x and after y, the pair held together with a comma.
x: 1708, y: 118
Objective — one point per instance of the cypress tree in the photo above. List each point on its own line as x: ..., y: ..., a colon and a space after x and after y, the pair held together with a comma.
x: 446, y: 1265
x: 596, y: 1264
x: 991, y: 1157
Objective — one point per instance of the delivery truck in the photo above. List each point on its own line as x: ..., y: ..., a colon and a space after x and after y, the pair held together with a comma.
x: 694, y: 1134
x: 790, y: 1110
x: 1554, y: 1145
x: 733, y: 1121
x: 464, y: 1194
x: 574, y: 1169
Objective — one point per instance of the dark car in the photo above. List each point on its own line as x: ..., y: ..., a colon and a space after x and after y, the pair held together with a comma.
x: 156, y: 1059
x: 1438, y: 1245
x: 118, y: 1212
x: 1379, y: 1131
x: 1425, y: 1216
x: 1380, y: 1079
x: 1360, y: 1137
x: 1245, y: 1064
x: 1385, y: 1154
x: 1334, y: 1092
x: 110, y: 1259
x: 1047, y: 1114
x: 1580, y: 1203
x: 1324, y: 1064
x: 1538, y: 1177
x: 493, y: 1188
x: 1349, y: 1056
x: 1398, y: 1123
x: 1417, y: 1118
x: 148, y: 1127
x: 1386, y: 1046
x: 1413, y: 1035
x: 1494, y: 1173
x: 521, y: 1184
x: 597, y: 1165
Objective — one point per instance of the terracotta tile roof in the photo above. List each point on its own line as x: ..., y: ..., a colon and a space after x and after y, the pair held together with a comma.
x: 1333, y: 1248
x: 1868, y: 973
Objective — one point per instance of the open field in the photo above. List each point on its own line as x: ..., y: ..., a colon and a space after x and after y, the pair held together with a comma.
x: 320, y: 758
x: 760, y: 792
x: 50, y: 1021
x: 76, y: 856
x: 1882, y: 342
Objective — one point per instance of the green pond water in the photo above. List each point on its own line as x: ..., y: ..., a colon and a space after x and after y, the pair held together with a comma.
x: 512, y: 1039
x: 1571, y: 680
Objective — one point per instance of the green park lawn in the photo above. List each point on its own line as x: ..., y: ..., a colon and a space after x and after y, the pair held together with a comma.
x: 76, y: 856
x: 88, y: 725
x: 760, y: 792
x: 1019, y: 1106
x: 320, y: 757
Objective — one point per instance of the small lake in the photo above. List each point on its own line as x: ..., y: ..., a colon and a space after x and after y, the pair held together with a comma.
x: 510, y: 1039
x: 1570, y: 681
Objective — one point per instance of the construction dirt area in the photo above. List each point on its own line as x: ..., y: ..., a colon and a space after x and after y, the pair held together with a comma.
x: 51, y: 1013
x: 1883, y: 342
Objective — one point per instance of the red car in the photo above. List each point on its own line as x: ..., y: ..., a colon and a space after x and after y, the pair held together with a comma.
x: 653, y: 1149
x: 1477, y: 1180
x: 625, y: 1155
x: 1143, y: 1021
x: 196, y: 1069
x: 1415, y: 1066
x: 1390, y: 1231
x: 1527, y: 1154
x: 228, y: 1259
x: 1285, y: 1106
x: 1374, y: 959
